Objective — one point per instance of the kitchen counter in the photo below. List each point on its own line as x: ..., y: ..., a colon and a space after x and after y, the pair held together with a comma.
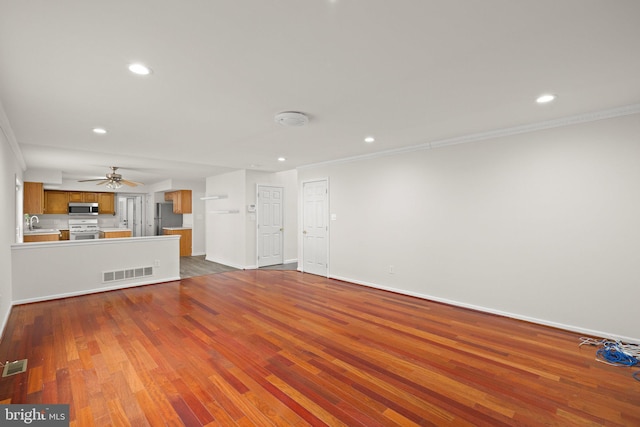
x: 42, y: 231
x: 110, y: 233
x: 41, y: 235
x: 185, y: 238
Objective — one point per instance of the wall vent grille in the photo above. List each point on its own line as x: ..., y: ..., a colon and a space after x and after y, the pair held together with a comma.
x: 13, y: 368
x: 129, y: 273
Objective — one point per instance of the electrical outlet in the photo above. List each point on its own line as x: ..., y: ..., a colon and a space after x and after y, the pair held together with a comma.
x: 156, y: 263
x: 392, y: 269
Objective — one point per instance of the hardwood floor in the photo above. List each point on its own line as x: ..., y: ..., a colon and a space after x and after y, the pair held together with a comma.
x: 263, y: 347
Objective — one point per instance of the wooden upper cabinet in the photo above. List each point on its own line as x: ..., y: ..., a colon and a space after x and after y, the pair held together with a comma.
x: 82, y: 197
x: 181, y: 201
x: 56, y: 202
x: 106, y: 203
x: 90, y: 197
x: 33, y: 198
x: 75, y: 196
x: 185, y: 201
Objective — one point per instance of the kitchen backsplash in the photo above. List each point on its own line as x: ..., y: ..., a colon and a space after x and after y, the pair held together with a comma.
x: 61, y: 222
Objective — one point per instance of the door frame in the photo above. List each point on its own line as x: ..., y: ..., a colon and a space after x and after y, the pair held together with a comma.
x: 257, y: 221
x: 142, y: 215
x: 301, y: 204
x: 19, y: 200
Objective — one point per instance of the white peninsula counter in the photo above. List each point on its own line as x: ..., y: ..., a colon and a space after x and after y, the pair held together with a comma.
x: 50, y: 270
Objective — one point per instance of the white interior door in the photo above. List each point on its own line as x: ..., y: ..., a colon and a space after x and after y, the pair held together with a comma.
x: 270, y: 225
x: 315, y: 227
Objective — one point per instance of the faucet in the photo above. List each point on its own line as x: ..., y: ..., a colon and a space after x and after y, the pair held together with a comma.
x: 31, y: 221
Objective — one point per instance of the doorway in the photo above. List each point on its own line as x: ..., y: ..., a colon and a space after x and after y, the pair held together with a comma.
x: 130, y: 213
x: 315, y: 227
x: 270, y: 225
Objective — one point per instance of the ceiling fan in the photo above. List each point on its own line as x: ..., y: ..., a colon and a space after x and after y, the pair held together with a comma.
x: 113, y: 180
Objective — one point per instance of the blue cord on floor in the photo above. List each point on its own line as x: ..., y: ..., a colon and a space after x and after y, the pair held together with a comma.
x: 636, y: 375
x: 611, y: 354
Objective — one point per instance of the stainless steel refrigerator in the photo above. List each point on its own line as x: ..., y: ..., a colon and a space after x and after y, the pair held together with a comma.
x: 166, y: 218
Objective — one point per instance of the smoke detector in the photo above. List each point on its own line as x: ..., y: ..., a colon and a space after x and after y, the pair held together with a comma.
x: 292, y: 119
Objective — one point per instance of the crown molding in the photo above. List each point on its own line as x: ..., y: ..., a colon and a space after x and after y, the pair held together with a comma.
x: 497, y: 133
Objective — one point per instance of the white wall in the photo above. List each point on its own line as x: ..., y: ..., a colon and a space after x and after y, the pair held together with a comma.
x: 10, y: 168
x: 543, y: 226
x: 226, y: 233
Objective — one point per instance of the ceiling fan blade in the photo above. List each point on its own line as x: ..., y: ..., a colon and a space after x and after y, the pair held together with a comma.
x: 113, y: 178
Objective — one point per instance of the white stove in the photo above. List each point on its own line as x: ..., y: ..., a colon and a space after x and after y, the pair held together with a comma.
x: 83, y: 229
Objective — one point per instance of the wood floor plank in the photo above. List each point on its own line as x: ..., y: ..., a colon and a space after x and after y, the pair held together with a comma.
x: 283, y: 348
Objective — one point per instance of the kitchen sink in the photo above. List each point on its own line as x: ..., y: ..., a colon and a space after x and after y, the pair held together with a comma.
x: 42, y: 231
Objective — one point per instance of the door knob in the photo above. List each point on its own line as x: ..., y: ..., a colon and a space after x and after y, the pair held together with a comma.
x: 304, y: 232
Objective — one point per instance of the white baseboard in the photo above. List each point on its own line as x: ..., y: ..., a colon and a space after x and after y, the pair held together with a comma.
x: 225, y: 262
x: 572, y: 328
x: 94, y: 291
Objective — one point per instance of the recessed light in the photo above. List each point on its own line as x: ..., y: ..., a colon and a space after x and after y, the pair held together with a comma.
x: 139, y: 69
x: 99, y: 131
x: 281, y: 159
x: 547, y: 97
x: 369, y: 139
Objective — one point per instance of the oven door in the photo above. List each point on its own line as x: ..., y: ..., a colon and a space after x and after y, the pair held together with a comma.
x: 83, y: 236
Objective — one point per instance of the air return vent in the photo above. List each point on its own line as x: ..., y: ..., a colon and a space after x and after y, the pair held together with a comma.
x: 129, y: 273
x: 13, y: 368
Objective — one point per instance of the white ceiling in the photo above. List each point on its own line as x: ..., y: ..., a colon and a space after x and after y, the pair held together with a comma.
x: 405, y: 71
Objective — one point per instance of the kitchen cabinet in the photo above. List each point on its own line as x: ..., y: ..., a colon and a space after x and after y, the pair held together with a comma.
x: 33, y: 198
x: 64, y: 234
x: 106, y: 203
x: 52, y: 237
x: 185, y: 239
x: 181, y: 201
x: 114, y: 233
x: 83, y: 197
x: 56, y: 202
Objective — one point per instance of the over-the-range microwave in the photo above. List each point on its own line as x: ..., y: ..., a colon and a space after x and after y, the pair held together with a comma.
x: 83, y: 209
